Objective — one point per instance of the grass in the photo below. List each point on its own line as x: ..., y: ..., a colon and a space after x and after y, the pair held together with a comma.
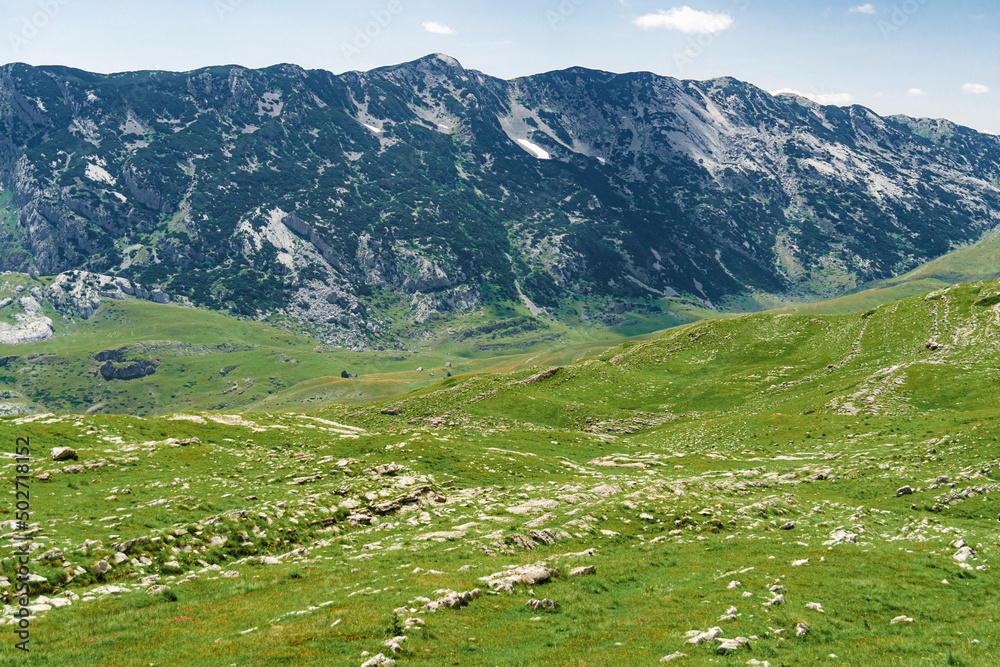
x: 683, y: 459
x: 212, y: 361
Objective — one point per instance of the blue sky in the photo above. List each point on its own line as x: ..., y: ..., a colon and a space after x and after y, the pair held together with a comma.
x: 932, y: 58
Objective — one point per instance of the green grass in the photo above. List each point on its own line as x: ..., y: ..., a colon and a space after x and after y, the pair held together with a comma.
x: 727, y: 430
x: 213, y: 361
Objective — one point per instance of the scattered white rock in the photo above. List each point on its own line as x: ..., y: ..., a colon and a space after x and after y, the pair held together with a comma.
x: 527, y: 575
x: 710, y: 635
x: 964, y: 554
x: 378, y: 661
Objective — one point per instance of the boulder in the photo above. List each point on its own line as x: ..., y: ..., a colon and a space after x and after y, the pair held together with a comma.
x: 964, y: 554
x: 379, y: 661
x: 526, y: 575
x: 396, y: 643
x: 129, y: 370
x: 64, y: 454
x: 727, y: 645
x: 904, y: 491
x: 541, y: 604
x: 697, y: 637
x: 451, y: 600
x: 389, y: 469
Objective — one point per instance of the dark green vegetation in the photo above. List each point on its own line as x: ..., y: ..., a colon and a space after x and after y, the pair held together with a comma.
x: 771, y: 450
x: 362, y: 202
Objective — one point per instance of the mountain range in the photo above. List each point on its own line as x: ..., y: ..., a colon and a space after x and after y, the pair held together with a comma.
x: 357, y: 205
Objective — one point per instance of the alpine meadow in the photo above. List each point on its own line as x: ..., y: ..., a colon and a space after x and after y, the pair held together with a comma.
x: 419, y: 365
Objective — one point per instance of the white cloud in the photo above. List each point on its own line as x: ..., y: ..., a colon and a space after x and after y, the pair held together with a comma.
x: 915, y: 92
x: 867, y: 8
x: 687, y: 20
x: 837, y: 99
x: 438, y: 28
x: 975, y: 88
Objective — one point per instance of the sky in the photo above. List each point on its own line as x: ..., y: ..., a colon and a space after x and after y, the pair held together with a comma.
x: 924, y: 58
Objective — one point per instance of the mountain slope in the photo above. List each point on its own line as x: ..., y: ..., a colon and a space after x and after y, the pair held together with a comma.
x: 356, y: 202
x: 816, y: 485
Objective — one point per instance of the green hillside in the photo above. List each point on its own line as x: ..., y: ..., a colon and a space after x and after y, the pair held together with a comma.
x: 821, y: 488
x: 212, y: 361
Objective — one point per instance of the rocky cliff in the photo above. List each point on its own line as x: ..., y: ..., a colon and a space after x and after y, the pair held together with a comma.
x: 434, y: 188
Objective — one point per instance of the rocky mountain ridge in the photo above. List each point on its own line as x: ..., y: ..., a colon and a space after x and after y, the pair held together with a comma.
x: 354, y: 202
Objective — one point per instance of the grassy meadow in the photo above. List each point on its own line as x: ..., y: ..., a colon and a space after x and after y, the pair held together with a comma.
x: 838, y: 461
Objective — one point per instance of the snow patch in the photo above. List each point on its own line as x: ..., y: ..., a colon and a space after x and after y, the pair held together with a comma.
x: 376, y: 130
x: 534, y: 149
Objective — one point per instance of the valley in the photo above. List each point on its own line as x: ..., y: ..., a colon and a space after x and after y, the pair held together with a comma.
x: 811, y: 485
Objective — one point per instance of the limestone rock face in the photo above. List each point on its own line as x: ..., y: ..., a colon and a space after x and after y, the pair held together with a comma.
x: 130, y: 370
x: 628, y: 188
x: 79, y: 292
x: 31, y: 325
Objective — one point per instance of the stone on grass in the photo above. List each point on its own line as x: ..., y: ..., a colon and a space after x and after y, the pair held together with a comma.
x: 396, y: 643
x: 901, y: 619
x: 379, y: 661
x: 676, y: 655
x: 727, y: 645
x: 586, y: 569
x: 964, y: 554
x: 710, y: 635
x: 64, y: 454
x: 451, y: 599
x: 526, y: 575
x: 541, y: 604
x: 904, y: 491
